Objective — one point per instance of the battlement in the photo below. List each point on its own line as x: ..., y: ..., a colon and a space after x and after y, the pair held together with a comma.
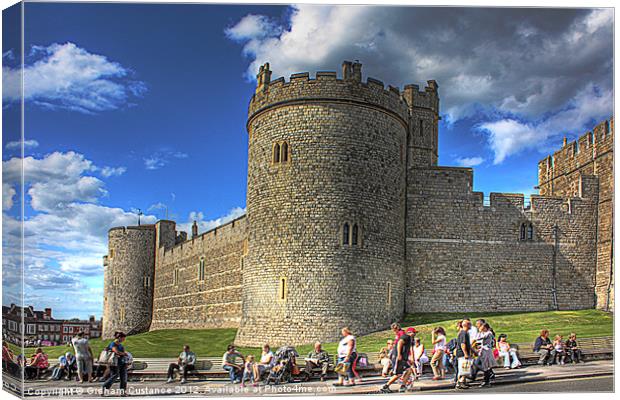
x: 427, y: 98
x: 221, y: 232
x: 125, y: 229
x: 326, y: 86
x: 577, y: 153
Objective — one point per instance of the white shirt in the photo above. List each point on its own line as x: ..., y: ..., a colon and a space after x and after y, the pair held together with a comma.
x: 473, y: 334
x: 343, y: 346
x: 441, y: 344
x: 81, y: 347
x: 267, y: 358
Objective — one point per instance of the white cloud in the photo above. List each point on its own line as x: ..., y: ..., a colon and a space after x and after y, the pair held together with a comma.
x: 162, y: 158
x: 510, y: 136
x: 253, y: 26
x: 54, y: 181
x: 8, y: 192
x: 204, y: 226
x: 17, y: 144
x: 469, y: 161
x: 528, y: 62
x: 68, y: 218
x: 84, y: 264
x: 112, y: 171
x: 157, y: 206
x: 68, y: 77
x: 8, y: 55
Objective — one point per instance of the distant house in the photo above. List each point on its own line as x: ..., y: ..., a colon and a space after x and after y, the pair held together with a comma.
x: 40, y: 328
x: 90, y: 327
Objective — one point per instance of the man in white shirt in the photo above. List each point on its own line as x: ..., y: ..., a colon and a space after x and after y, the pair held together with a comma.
x: 83, y: 357
x: 185, y: 363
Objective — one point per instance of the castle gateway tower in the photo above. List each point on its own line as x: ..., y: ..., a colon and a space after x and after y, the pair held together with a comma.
x: 325, y: 207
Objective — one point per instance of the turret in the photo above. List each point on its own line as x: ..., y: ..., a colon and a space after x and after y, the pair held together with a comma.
x: 423, y: 124
x: 194, y: 230
x: 263, y: 78
x: 352, y: 71
x: 128, y: 280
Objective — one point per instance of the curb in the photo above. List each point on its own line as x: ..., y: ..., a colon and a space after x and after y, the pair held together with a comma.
x: 496, y: 383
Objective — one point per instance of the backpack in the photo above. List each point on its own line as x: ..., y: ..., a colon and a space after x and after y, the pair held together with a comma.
x: 452, y: 345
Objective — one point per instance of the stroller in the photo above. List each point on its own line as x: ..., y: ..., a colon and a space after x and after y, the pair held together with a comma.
x: 285, y: 369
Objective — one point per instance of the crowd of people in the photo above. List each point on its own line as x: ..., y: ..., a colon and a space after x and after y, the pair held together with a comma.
x: 475, y: 349
x: 247, y: 369
x: 111, y: 365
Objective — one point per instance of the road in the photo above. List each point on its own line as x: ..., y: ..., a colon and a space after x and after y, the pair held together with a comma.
x: 592, y: 384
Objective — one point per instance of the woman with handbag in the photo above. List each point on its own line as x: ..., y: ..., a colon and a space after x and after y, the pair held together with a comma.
x: 347, y: 355
x: 486, y: 361
x: 118, y: 364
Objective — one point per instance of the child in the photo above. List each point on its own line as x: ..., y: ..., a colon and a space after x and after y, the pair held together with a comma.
x: 572, y: 348
x: 438, y: 339
x: 560, y: 354
x: 249, y: 371
x: 504, y: 350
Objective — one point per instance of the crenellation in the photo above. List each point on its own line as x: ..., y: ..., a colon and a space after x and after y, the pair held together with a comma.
x: 326, y: 76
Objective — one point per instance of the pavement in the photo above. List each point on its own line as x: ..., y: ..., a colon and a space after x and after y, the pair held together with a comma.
x: 598, y: 384
x: 369, y: 385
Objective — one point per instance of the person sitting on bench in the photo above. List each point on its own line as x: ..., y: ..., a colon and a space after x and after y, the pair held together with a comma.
x: 66, y: 366
x: 317, y: 359
x: 544, y: 348
x: 267, y: 361
x: 38, y: 363
x: 572, y: 349
x: 185, y: 363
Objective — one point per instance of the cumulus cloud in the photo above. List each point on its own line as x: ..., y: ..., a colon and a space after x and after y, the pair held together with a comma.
x: 492, y: 64
x: 65, y: 76
x: 68, y: 216
x: 469, y: 161
x: 524, y: 60
x: 55, y: 180
x: 17, y: 144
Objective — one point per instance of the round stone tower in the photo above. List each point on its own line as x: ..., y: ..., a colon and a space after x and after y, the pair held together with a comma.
x: 128, y: 280
x: 325, y: 208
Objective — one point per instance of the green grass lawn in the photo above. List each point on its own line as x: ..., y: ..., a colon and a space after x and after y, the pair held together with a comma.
x: 520, y: 327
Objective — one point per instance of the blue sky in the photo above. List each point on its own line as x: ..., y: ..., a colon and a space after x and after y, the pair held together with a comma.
x: 144, y: 106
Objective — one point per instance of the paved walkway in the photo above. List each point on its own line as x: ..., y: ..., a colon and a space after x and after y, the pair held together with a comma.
x: 367, y: 386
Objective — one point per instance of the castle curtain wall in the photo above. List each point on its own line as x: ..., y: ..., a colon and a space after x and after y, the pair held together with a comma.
x: 192, y: 302
x: 465, y: 256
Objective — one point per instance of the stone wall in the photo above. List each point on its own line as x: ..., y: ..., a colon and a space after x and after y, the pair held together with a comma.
x: 128, y: 280
x: 346, y: 141
x: 559, y: 175
x: 465, y: 256
x: 212, y: 300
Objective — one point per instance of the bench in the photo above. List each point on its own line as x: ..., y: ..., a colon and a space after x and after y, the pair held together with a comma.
x: 157, y: 368
x: 592, y: 348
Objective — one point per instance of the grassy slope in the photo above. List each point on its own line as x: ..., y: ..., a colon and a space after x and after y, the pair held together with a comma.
x: 520, y: 327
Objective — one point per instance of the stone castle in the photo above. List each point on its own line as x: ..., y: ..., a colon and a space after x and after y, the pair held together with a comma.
x: 350, y: 221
